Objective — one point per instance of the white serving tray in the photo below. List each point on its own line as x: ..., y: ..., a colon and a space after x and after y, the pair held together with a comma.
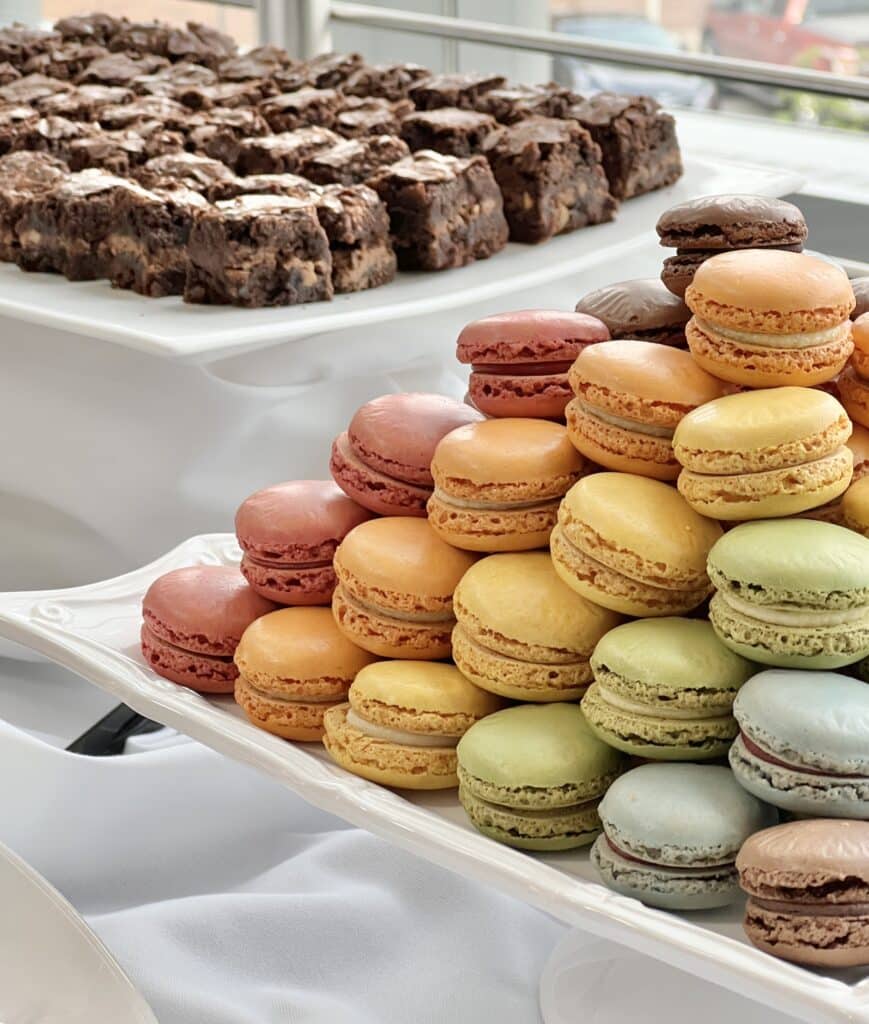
x: 94, y: 630
x: 169, y: 328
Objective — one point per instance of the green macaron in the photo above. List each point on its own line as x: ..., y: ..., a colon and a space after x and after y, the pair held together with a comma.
x: 793, y: 593
x: 664, y: 690
x: 532, y: 776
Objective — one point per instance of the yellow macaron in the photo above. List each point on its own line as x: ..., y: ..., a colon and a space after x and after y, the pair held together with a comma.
x: 767, y: 318
x: 522, y: 632
x: 403, y: 722
x: 633, y: 545
x: 764, y: 454
x: 855, y: 506
x: 853, y: 385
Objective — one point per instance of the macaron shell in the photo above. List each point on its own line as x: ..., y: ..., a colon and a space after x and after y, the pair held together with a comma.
x: 289, y: 719
x: 390, y: 637
x: 855, y: 507
x: 201, y: 672
x: 483, y: 530
x: 640, y: 308
x: 854, y: 392
x: 677, y: 272
x: 375, y: 491
x: 812, y: 940
x: 565, y: 829
x: 619, y: 449
x: 731, y: 222
x: 541, y: 396
x: 293, y: 586
x: 528, y: 335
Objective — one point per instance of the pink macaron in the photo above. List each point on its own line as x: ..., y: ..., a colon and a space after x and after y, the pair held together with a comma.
x: 519, y: 360
x: 193, y: 621
x: 289, y: 534
x: 383, y: 459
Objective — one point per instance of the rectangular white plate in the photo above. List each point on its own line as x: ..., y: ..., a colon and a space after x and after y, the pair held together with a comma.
x: 94, y: 631
x: 169, y: 328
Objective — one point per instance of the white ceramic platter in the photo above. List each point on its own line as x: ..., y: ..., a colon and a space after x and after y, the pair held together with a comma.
x: 169, y: 328
x: 53, y: 969
x: 93, y: 630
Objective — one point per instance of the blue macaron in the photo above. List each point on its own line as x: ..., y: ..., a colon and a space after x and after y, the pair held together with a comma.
x: 804, y: 742
x: 671, y: 833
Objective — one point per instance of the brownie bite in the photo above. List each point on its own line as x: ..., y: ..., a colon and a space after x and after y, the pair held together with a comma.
x: 291, y: 110
x: 356, y: 223
x: 31, y: 88
x: 52, y: 135
x: 146, y: 108
x: 460, y: 89
x: 286, y: 153
x: 22, y: 175
x: 120, y: 69
x: 218, y: 132
x: 360, y: 118
x: 551, y: 177
x: 173, y: 78
x: 353, y: 161
x: 257, y: 64
x: 8, y: 73
x: 199, y: 173
x: 65, y: 61
x: 199, y: 44
x: 448, y: 130
x: 89, y: 28
x: 148, y: 243
x: 145, y: 37
x: 389, y: 81
x: 19, y: 43
x: 230, y: 95
x: 258, y: 251
x: 15, y: 121
x: 121, y: 152
x: 514, y: 103
x: 325, y: 71
x: 84, y: 102
x: 637, y: 139
x: 444, y: 211
x: 263, y: 184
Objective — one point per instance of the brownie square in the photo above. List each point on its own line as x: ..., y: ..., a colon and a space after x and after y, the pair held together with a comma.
x: 551, y: 177
x: 262, y: 62
x: 258, y: 251
x: 83, y: 102
x: 222, y: 94
x: 361, y: 118
x: 218, y: 132
x: 168, y: 81
x: 15, y: 121
x: 326, y: 71
x: 299, y: 109
x: 121, y: 152
x: 199, y: 44
x: 263, y: 184
x: 120, y: 69
x: 31, y: 88
x: 148, y: 243
x: 147, y: 37
x: 448, y: 130
x: 146, y: 108
x: 52, y: 135
x: 356, y: 223
x: 66, y: 61
x: 286, y: 153
x: 512, y: 104
x: 189, y: 170
x: 444, y: 211
x: 353, y: 161
x: 389, y: 81
x: 22, y: 175
x: 18, y: 43
x: 89, y: 28
x: 637, y: 139
x: 8, y: 73
x: 453, y: 90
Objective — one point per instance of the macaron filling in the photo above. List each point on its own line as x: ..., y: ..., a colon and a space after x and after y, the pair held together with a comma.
x: 492, y: 506
x: 782, y: 615
x: 541, y: 813
x: 807, y: 909
x: 662, y: 709
x: 301, y: 699
x: 652, y: 429
x: 276, y: 563
x: 539, y: 369
x: 157, y: 640
x: 658, y: 865
x: 403, y: 737
x: 394, y: 613
x: 804, y: 339
x: 756, y: 750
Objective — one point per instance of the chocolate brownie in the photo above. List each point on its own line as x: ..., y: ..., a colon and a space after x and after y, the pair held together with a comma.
x: 551, y: 177
x: 22, y: 175
x: 120, y: 152
x: 200, y: 44
x: 83, y: 102
x: 325, y: 71
x: 222, y: 94
x: 389, y: 81
x: 353, y: 161
x: 263, y: 184
x: 52, y: 135
x: 360, y: 117
x: 65, y: 229
x: 356, y: 223
x: 148, y: 243
x: 146, y: 108
x: 198, y: 173
x: 291, y: 110
x: 258, y: 251
x: 89, y: 28
x: 15, y: 121
x: 120, y: 69
x: 169, y: 80
x: 460, y: 89
x: 262, y: 62
x: 637, y: 139
x: 512, y: 104
x: 286, y: 153
x: 146, y: 37
x: 218, y: 132
x: 8, y: 73
x: 444, y: 211
x: 66, y: 61
x: 447, y: 130
x: 30, y: 88
x: 18, y: 43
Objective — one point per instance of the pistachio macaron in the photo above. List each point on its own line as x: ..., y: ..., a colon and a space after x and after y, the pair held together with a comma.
x: 403, y: 722
x: 630, y: 397
x: 532, y: 776
x: 633, y: 545
x: 522, y: 632
x: 293, y: 665
x: 793, y: 593
x: 664, y: 690
x: 764, y: 454
x: 395, y: 588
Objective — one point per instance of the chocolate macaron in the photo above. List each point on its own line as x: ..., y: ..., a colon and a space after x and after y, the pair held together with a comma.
x: 643, y: 309
x: 702, y: 227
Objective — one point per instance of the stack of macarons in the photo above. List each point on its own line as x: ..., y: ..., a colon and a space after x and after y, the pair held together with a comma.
x: 643, y: 309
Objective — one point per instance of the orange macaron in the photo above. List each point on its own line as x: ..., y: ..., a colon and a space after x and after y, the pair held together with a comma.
x: 766, y: 318
x: 630, y: 397
x: 854, y: 383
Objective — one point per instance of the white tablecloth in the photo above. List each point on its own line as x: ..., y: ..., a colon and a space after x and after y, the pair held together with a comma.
x: 229, y: 900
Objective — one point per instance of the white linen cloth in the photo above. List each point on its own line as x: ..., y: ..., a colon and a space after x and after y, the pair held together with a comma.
x: 229, y: 900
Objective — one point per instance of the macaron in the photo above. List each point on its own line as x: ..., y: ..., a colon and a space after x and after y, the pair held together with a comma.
x: 293, y: 665
x: 803, y: 742
x: 664, y: 690
x: 289, y: 534
x: 671, y: 834
x: 762, y: 454
x: 853, y: 385
x: 403, y: 722
x: 532, y: 776
x: 633, y: 545
x: 793, y: 593
x: 630, y: 397
x: 193, y: 621
x: 642, y: 308
x: 522, y: 632
x: 858, y: 444
x: 860, y: 287
x: 396, y: 579
x: 855, y: 506
x: 382, y: 460
x: 519, y: 360
x: 765, y: 318
x: 704, y: 227
x: 808, y: 889
x: 498, y: 483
